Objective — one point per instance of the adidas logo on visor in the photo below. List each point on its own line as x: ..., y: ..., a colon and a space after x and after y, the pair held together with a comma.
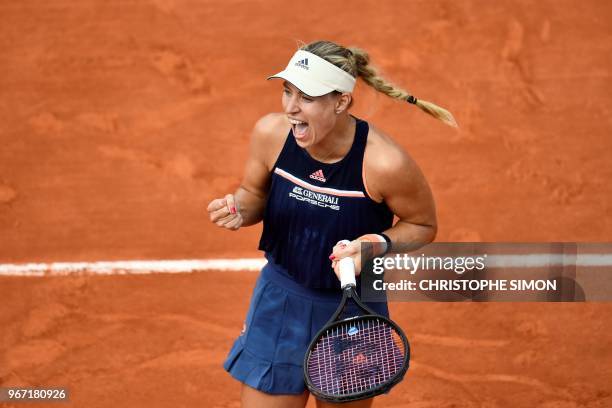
x: 302, y: 63
x: 318, y: 175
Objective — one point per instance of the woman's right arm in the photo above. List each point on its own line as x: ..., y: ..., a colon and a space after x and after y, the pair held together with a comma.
x: 246, y: 206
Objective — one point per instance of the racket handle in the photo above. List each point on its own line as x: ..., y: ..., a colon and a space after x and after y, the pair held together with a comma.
x: 347, y: 272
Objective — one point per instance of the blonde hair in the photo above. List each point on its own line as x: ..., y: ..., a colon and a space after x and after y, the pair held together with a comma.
x: 356, y: 62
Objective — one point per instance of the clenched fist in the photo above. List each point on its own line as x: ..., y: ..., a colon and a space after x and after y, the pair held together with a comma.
x: 225, y: 212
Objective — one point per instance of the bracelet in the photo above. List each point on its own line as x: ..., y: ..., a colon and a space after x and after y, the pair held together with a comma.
x: 377, y: 239
x: 388, y: 241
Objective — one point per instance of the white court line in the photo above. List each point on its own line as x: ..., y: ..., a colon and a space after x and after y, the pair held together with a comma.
x: 255, y: 264
x: 544, y: 260
x: 131, y: 267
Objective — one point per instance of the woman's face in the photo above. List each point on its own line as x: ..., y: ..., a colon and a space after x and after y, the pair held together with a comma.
x: 311, y: 118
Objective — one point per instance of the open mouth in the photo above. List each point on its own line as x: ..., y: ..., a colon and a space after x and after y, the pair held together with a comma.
x: 299, y: 128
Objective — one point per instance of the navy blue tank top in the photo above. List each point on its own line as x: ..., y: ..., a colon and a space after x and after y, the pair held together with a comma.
x: 312, y: 205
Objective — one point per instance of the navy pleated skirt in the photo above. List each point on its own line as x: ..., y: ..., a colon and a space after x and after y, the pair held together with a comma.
x: 283, y: 318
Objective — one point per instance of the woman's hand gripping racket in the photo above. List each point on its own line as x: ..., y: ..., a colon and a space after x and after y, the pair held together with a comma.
x: 356, y: 357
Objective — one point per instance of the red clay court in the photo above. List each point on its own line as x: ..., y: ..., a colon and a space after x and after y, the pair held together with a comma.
x: 121, y: 120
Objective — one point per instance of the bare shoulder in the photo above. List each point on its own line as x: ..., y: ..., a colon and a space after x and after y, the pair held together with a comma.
x: 385, y: 158
x: 394, y: 177
x: 268, y: 137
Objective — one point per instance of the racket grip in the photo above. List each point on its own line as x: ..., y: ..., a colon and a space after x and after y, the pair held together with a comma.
x: 347, y: 272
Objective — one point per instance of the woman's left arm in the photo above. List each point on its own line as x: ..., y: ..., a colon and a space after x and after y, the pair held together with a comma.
x: 401, y: 184
x: 392, y: 176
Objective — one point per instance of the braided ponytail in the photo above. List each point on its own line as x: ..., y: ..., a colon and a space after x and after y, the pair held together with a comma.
x: 356, y: 62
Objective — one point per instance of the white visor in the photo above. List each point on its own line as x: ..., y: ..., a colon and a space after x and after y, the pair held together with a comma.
x: 314, y: 76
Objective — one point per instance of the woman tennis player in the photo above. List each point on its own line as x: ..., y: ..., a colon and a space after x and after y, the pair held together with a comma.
x: 317, y: 175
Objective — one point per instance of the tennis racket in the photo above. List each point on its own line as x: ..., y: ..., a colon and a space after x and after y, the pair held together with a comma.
x: 357, y: 357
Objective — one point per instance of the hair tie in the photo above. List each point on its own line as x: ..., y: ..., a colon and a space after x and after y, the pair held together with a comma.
x: 411, y: 99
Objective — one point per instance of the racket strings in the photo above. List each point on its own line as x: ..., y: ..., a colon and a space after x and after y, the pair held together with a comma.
x: 356, y: 357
